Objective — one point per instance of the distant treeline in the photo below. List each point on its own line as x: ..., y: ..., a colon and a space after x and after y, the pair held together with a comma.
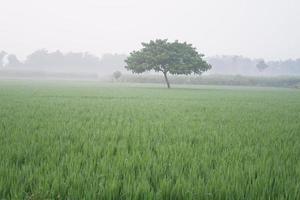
x: 239, y: 65
x: 278, y: 81
x: 60, y: 62
x: 85, y: 62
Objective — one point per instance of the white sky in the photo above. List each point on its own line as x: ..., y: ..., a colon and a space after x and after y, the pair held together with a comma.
x: 267, y: 29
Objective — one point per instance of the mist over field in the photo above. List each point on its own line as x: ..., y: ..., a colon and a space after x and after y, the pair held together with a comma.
x: 44, y: 61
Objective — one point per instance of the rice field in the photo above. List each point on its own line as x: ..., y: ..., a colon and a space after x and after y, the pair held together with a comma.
x: 89, y: 140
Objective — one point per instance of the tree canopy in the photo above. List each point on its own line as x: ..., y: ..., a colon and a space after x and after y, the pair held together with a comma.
x: 167, y: 57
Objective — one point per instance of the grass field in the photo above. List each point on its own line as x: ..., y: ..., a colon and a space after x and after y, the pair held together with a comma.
x: 85, y: 140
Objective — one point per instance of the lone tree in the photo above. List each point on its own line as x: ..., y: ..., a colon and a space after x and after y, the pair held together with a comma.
x: 117, y: 74
x: 168, y: 58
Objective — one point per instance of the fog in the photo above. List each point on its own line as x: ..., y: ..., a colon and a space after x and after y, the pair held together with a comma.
x: 89, y: 65
x: 95, y: 36
x: 266, y: 29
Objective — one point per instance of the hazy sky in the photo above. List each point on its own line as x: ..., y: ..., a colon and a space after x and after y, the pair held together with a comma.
x: 255, y: 28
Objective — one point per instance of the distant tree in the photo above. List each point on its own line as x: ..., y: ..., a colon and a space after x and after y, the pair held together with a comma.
x: 12, y: 61
x: 261, y: 65
x: 38, y: 59
x: 167, y: 57
x: 42, y: 58
x: 117, y: 74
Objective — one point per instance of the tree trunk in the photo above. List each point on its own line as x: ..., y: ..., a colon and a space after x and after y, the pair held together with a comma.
x: 167, y: 81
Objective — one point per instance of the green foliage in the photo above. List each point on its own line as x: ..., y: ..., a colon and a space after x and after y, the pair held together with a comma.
x: 167, y: 57
x: 89, y: 141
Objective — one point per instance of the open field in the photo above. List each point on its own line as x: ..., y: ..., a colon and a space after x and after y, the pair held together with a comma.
x: 85, y: 140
